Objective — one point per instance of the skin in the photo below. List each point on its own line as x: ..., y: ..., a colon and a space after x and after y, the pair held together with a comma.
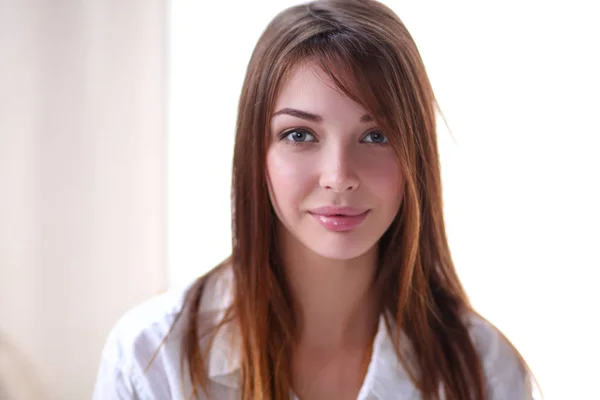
x: 339, y: 158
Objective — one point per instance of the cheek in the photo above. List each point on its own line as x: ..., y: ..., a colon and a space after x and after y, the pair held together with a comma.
x: 289, y: 178
x: 383, y: 177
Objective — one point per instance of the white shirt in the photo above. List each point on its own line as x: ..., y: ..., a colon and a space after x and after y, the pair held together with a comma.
x: 140, y: 332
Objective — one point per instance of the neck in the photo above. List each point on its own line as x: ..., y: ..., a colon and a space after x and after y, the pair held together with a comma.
x: 335, y: 305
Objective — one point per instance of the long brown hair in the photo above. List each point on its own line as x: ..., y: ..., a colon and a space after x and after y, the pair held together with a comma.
x: 369, y: 54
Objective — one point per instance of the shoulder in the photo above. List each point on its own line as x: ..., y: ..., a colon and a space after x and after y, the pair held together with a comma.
x: 142, y: 327
x: 146, y: 325
x: 505, y: 371
x: 143, y: 347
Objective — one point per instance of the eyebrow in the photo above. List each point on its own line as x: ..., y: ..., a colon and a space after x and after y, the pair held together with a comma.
x: 312, y: 117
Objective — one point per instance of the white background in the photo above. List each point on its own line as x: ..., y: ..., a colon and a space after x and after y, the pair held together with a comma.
x: 518, y: 85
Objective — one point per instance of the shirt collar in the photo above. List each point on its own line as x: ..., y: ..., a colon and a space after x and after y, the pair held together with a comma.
x: 224, y: 360
x: 385, y: 378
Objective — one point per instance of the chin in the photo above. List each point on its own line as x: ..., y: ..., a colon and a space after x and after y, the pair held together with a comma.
x: 340, y: 248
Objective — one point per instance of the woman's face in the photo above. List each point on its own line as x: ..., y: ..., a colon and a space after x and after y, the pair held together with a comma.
x: 334, y: 181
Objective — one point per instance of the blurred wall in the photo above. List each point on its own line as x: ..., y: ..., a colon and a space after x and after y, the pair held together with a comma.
x: 82, y: 181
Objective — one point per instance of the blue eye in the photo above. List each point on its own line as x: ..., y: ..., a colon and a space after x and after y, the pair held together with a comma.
x: 299, y: 136
x: 375, y: 137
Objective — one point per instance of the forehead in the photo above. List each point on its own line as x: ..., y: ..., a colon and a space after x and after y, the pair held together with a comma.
x: 310, y: 89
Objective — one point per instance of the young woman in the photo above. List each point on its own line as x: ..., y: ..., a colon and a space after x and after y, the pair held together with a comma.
x: 340, y: 284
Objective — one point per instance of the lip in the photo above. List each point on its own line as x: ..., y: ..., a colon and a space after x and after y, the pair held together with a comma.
x: 339, y: 219
x: 336, y: 210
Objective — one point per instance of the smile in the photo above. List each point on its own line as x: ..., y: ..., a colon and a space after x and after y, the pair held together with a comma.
x: 339, y: 219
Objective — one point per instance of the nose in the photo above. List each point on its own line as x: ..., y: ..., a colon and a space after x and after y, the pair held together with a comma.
x: 338, y: 172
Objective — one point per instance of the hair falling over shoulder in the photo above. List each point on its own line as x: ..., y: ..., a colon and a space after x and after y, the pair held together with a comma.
x: 368, y: 52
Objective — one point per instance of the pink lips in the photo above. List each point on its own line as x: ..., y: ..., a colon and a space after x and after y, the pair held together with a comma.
x: 339, y: 219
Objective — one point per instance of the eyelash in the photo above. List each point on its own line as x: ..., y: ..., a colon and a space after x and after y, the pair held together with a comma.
x: 286, y: 134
